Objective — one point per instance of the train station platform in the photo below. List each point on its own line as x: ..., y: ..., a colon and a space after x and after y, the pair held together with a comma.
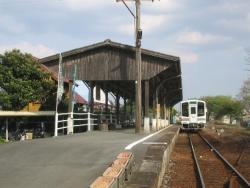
x: 77, y: 160
x: 151, y: 158
x: 63, y: 162
x: 142, y: 164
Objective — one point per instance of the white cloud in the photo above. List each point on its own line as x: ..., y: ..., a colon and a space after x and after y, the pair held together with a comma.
x: 37, y: 50
x: 86, y: 4
x: 194, y: 37
x: 149, y: 23
x: 152, y: 22
x: 185, y: 56
x: 127, y: 29
x: 189, y: 57
x: 164, y: 5
x: 10, y: 25
x: 231, y: 6
x: 235, y: 24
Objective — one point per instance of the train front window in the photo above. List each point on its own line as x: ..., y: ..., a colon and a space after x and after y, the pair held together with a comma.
x: 193, y: 110
x: 201, y: 109
x: 185, y: 109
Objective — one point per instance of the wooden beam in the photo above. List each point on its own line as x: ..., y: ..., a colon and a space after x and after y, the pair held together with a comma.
x: 106, y: 101
x: 91, y: 105
x: 146, y: 102
x: 117, y: 108
x: 125, y: 106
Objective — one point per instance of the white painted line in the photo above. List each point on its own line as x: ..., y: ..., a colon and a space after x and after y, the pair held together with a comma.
x: 155, y: 143
x: 130, y: 146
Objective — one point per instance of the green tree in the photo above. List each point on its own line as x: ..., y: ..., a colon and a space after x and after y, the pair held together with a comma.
x: 218, y: 106
x: 22, y: 81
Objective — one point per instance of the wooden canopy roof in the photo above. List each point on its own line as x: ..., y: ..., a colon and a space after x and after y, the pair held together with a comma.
x: 112, y: 66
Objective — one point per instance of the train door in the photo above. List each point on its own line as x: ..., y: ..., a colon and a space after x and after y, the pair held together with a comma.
x: 193, y: 112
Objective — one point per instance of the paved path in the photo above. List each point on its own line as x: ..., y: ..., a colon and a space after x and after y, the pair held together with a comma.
x: 65, y: 162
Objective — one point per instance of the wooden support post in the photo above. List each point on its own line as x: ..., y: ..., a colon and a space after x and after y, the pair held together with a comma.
x: 125, y: 106
x: 117, y: 100
x: 106, y: 101
x: 171, y: 115
x: 162, y: 109
x: 158, y: 114
x: 138, y: 57
x: 138, y: 108
x: 165, y: 113
x: 146, y: 105
x: 91, y: 104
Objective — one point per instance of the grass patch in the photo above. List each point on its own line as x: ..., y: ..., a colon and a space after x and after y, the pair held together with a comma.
x: 224, y: 126
x: 2, y: 141
x: 248, y: 129
x: 229, y: 127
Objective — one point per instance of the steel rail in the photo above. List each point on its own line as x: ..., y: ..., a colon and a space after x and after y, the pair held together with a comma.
x: 197, y: 163
x: 226, y: 162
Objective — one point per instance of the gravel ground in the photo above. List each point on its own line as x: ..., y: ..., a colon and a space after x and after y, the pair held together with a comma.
x: 232, y: 141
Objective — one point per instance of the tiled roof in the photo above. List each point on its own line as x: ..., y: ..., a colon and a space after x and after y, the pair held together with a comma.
x: 79, y: 99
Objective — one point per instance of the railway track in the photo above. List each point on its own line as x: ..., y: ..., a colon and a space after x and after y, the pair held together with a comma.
x: 243, y: 161
x: 182, y: 166
x: 212, y: 169
x: 236, y: 150
x: 194, y: 162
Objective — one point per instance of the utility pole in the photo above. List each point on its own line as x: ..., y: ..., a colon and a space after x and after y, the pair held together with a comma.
x: 138, y: 33
x: 138, y: 36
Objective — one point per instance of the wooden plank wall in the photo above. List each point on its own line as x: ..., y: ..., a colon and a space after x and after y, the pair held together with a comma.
x: 110, y: 64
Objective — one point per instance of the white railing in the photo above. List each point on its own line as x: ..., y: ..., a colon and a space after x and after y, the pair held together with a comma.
x: 67, y: 121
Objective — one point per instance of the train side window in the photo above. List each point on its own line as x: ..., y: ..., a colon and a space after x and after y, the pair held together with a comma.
x: 185, y: 109
x: 201, y: 109
x: 193, y: 110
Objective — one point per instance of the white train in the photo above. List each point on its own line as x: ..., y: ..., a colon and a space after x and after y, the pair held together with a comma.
x: 193, y: 114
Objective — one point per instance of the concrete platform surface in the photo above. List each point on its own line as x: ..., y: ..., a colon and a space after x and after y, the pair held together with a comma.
x: 151, y: 158
x: 65, y: 162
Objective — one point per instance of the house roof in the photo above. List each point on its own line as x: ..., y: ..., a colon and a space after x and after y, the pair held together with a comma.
x: 79, y: 99
x: 52, y: 73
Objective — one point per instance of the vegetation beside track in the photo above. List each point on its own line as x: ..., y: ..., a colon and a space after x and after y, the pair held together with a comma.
x: 229, y: 127
x: 2, y: 141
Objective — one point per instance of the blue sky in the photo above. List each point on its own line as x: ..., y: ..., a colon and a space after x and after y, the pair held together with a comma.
x: 210, y: 37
